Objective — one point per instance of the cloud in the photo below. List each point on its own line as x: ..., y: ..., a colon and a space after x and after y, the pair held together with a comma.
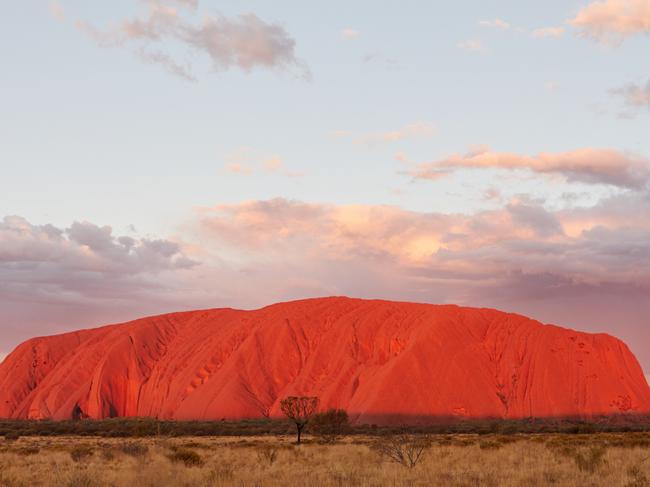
x: 56, y: 10
x: 239, y: 168
x: 587, y: 266
x: 409, y: 131
x: 348, y: 34
x: 86, y: 248
x: 244, y: 42
x: 496, y: 23
x: 588, y: 165
x: 546, y: 32
x: 635, y: 96
x: 247, y: 162
x: 611, y: 21
x: 472, y: 45
x: 53, y: 277
x: 170, y: 65
x: 521, y: 253
x: 380, y: 59
x: 551, y: 85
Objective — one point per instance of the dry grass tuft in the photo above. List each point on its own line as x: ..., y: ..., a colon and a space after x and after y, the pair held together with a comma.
x: 189, y: 458
x: 81, y: 452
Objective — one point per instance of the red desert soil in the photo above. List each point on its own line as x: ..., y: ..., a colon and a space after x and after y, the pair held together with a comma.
x: 382, y: 361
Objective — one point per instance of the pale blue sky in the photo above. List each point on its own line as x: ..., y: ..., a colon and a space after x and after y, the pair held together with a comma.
x: 96, y: 134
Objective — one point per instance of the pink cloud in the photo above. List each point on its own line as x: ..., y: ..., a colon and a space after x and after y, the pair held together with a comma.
x: 545, y: 32
x: 56, y: 10
x: 588, y: 165
x: 248, y: 162
x: 612, y: 21
x: 245, y: 42
x: 348, y: 34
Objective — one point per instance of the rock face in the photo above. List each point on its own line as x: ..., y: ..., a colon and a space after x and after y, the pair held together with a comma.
x: 382, y: 361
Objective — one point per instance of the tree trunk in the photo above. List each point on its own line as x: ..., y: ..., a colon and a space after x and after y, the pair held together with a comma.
x: 299, y: 432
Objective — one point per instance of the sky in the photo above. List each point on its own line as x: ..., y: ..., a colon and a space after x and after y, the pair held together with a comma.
x: 160, y: 155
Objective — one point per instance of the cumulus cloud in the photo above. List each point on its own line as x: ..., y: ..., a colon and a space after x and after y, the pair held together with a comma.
x: 80, y: 258
x: 587, y: 266
x: 587, y: 165
x: 635, y: 95
x: 245, y: 42
x: 611, y: 21
x: 55, y: 278
x: 545, y: 32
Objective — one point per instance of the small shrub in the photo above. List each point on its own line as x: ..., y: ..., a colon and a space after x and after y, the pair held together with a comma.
x: 267, y: 454
x: 81, y: 452
x: 134, y: 449
x: 490, y: 445
x: 407, y: 450
x: 12, y: 436
x: 108, y: 454
x: 187, y: 457
x: 637, y: 477
x: 28, y: 450
x: 330, y: 425
x: 590, y: 460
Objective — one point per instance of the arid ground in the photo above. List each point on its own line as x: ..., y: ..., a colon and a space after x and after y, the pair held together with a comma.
x: 612, y: 459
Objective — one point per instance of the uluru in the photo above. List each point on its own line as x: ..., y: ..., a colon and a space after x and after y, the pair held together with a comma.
x: 382, y: 361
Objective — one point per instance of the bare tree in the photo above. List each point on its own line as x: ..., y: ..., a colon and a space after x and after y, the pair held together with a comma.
x: 404, y: 449
x: 299, y: 410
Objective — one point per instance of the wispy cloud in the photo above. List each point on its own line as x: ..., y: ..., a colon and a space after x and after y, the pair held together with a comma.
x: 56, y: 9
x: 409, y: 131
x: 245, y: 42
x: 635, y: 95
x: 495, y: 23
x: 248, y: 162
x: 587, y: 165
x: 472, y: 45
x: 546, y: 32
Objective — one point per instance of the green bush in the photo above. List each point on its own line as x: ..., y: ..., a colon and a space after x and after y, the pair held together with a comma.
x: 330, y: 425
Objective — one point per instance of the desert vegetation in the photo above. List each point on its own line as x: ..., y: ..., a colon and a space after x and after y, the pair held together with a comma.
x: 613, y: 459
